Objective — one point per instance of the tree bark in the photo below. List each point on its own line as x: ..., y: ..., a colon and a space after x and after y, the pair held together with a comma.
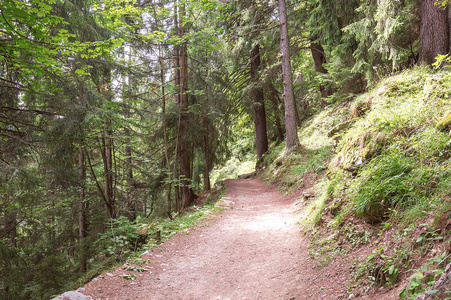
x: 207, y: 186
x: 258, y: 104
x: 449, y: 28
x: 82, y: 207
x: 108, y: 170
x: 163, y: 103
x: 434, y: 31
x: 290, y: 119
x: 187, y: 195
x: 129, y: 173
x: 176, y: 61
x: 277, y: 120
x: 165, y: 135
x: 319, y: 59
x: 176, y: 57
x: 108, y: 151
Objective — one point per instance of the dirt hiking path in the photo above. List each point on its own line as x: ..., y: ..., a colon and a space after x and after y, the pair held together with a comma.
x: 254, y: 250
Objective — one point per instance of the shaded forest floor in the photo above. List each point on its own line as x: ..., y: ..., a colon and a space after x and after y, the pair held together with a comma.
x: 253, y: 249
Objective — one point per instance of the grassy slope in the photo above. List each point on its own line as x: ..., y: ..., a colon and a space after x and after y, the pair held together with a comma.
x: 375, y: 173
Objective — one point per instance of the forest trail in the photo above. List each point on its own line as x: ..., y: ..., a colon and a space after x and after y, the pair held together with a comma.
x: 254, y: 250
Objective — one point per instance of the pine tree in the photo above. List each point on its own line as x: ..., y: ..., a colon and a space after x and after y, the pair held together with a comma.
x: 290, y: 107
x: 434, y: 32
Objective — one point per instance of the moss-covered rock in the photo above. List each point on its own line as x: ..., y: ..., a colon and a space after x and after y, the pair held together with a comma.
x: 355, y: 152
x: 361, y: 108
x: 444, y: 123
x: 340, y: 127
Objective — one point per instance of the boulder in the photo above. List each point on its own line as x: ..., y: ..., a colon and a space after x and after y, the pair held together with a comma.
x: 340, y: 127
x: 73, y: 295
x: 444, y: 123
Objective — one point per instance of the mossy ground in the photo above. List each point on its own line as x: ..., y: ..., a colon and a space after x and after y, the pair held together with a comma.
x: 374, y: 180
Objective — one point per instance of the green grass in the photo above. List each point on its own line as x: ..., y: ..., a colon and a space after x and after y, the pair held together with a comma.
x: 424, y: 277
x: 388, y: 168
x: 233, y: 168
x: 312, y: 159
x: 393, y: 158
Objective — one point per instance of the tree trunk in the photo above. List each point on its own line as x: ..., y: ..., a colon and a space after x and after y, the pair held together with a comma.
x: 434, y: 31
x: 11, y: 227
x: 108, y: 170
x: 163, y: 102
x: 258, y: 104
x: 277, y: 121
x: 187, y: 195
x: 165, y: 135
x: 176, y: 61
x: 205, y: 123
x: 129, y: 173
x: 129, y: 199
x: 82, y: 207
x: 449, y: 28
x: 207, y: 186
x: 108, y: 151
x: 8, y: 221
x: 290, y: 108
x: 320, y: 58
x: 296, y: 112
x: 176, y: 57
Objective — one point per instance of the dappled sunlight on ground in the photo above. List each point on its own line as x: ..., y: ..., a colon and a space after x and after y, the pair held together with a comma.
x: 269, y: 221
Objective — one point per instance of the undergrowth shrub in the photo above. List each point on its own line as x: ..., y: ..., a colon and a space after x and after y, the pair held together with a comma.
x: 233, y: 168
x: 391, y: 168
x: 120, y: 239
x: 389, y: 181
x: 424, y: 277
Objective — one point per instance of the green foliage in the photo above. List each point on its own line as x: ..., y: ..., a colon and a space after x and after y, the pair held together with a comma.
x: 233, y: 168
x: 136, y: 269
x: 77, y: 81
x: 80, y: 81
x: 120, y: 239
x: 128, y: 276
x: 380, y: 269
x: 364, y: 40
x: 390, y: 169
x: 443, y: 3
x: 242, y: 160
x: 444, y: 123
x: 385, y: 35
x: 389, y: 182
x: 424, y: 277
x: 401, y: 174
x: 311, y: 160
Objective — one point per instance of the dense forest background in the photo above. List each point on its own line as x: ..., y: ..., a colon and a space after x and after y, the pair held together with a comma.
x: 115, y: 113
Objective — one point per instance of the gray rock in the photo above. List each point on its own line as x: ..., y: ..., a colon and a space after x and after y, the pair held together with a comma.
x: 73, y: 296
